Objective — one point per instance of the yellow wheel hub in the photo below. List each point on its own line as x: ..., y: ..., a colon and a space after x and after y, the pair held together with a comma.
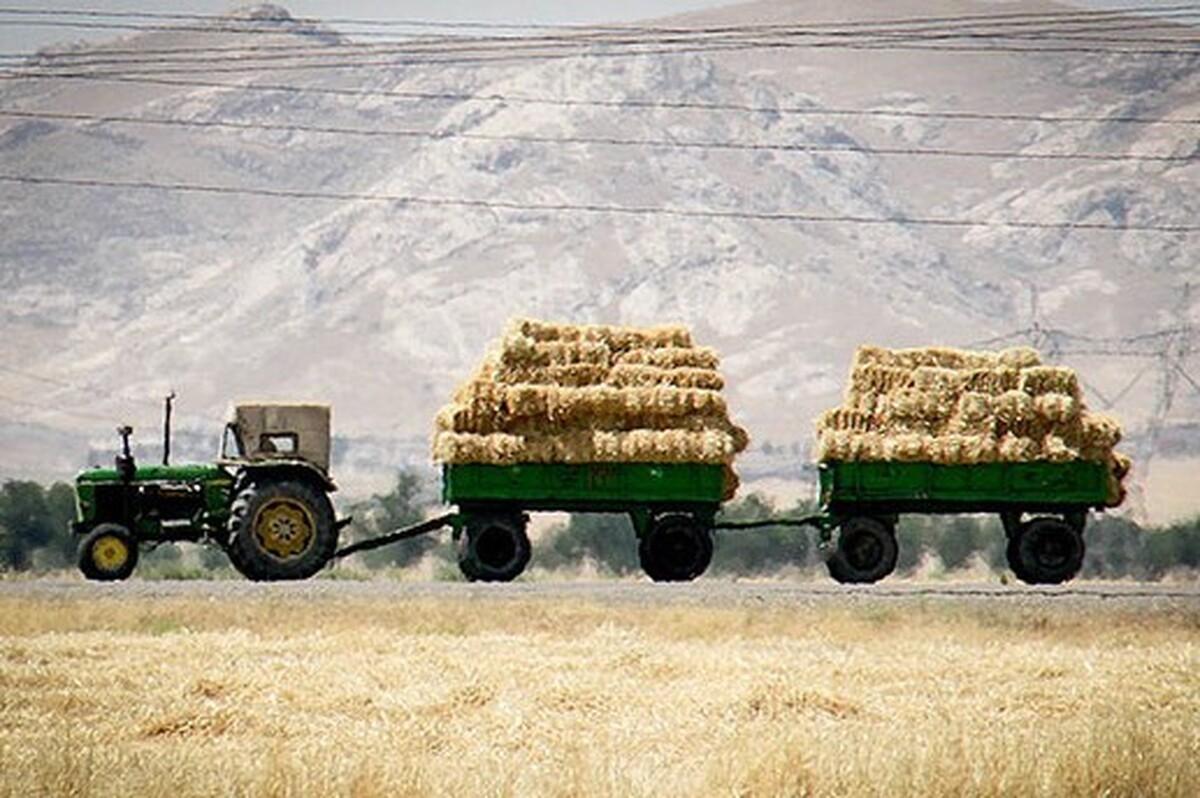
x: 110, y: 553
x: 284, y: 527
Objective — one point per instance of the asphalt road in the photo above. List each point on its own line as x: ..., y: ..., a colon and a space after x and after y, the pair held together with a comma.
x: 703, y: 592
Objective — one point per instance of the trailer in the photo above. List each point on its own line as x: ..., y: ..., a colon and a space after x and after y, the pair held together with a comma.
x: 672, y: 506
x: 1043, y: 507
x: 675, y: 512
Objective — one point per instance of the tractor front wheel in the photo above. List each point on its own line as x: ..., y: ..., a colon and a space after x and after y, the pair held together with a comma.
x: 281, y: 530
x: 109, y: 553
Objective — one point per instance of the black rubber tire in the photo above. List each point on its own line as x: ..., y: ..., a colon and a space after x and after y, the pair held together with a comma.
x: 676, y: 548
x: 108, y: 553
x: 281, y: 530
x: 1046, y: 551
x: 866, y: 551
x: 1014, y: 558
x: 494, y: 548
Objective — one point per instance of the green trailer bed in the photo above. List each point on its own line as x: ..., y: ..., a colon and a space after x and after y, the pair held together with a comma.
x: 886, y: 488
x: 1043, y: 507
x: 585, y: 487
x: 671, y: 505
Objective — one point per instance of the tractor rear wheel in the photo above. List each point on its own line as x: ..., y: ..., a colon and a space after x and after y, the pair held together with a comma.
x: 109, y: 553
x: 494, y: 547
x: 866, y: 551
x: 281, y: 530
x: 676, y: 548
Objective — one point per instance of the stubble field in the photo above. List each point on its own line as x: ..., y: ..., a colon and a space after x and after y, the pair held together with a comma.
x: 330, y: 688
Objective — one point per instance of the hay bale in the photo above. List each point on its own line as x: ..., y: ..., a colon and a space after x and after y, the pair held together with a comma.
x: 638, y: 375
x: 1040, y: 380
x: 949, y: 406
x: 671, y: 357
x: 591, y: 393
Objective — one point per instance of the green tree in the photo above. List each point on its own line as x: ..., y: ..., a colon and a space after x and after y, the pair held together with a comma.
x: 606, y: 539
x: 27, y: 522
x: 1115, y: 548
x: 912, y: 536
x: 1177, y: 546
x: 60, y: 551
x: 761, y: 550
x: 404, y: 505
x: 958, y: 539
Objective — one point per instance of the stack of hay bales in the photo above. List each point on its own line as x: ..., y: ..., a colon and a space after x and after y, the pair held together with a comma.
x: 562, y: 393
x: 959, y: 407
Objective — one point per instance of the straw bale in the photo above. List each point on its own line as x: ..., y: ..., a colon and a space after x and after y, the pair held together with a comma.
x: 1098, y: 434
x: 842, y: 445
x: 937, y: 379
x: 520, y: 352
x: 1017, y: 449
x: 909, y: 359
x: 980, y: 449
x: 670, y: 357
x: 840, y: 418
x: 590, y: 393
x: 952, y: 406
x: 908, y: 447
x: 1013, y: 407
x: 630, y: 374
x: 913, y: 404
x: 1057, y: 408
x: 460, y: 447
x: 974, y: 410
x: 871, y: 379
x: 833, y: 445
x: 1038, y: 380
x: 1056, y: 450
x: 731, y: 483
x: 1018, y: 357
x: 563, y: 375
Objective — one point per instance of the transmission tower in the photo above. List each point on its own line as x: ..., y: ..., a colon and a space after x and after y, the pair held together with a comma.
x: 1164, y: 352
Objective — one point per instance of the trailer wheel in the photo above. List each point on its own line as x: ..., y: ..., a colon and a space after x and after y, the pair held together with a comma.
x: 109, y: 553
x: 280, y: 530
x: 676, y: 548
x: 866, y: 551
x: 1046, y: 551
x: 494, y: 548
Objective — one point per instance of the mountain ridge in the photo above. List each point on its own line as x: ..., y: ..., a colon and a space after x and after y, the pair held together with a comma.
x: 115, y: 295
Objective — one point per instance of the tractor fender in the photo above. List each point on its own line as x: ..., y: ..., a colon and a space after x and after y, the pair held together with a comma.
x: 283, y: 470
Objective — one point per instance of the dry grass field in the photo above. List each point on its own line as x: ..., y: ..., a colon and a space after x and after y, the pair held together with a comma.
x: 277, y: 692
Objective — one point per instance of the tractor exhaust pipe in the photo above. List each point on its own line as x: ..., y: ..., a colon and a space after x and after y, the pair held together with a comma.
x: 170, y: 404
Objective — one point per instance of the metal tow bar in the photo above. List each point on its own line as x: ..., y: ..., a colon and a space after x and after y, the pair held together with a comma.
x: 824, y: 524
x: 423, y: 528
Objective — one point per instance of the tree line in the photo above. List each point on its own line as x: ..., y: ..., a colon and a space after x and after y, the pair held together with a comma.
x: 35, y: 538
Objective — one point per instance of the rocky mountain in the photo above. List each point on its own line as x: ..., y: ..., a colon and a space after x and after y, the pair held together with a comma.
x: 260, y: 208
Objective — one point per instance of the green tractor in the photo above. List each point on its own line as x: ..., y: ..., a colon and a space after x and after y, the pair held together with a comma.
x: 265, y: 501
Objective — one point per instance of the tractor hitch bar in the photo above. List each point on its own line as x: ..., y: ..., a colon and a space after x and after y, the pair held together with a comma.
x: 405, y: 533
x: 823, y: 523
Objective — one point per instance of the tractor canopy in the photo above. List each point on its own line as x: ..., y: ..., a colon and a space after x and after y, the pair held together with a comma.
x: 269, y: 432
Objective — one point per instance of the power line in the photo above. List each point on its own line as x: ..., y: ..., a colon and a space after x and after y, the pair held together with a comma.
x: 599, y: 140
x: 623, y: 104
x: 227, y: 60
x: 521, y: 53
x: 863, y: 34
x: 998, y: 21
x: 595, y: 208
